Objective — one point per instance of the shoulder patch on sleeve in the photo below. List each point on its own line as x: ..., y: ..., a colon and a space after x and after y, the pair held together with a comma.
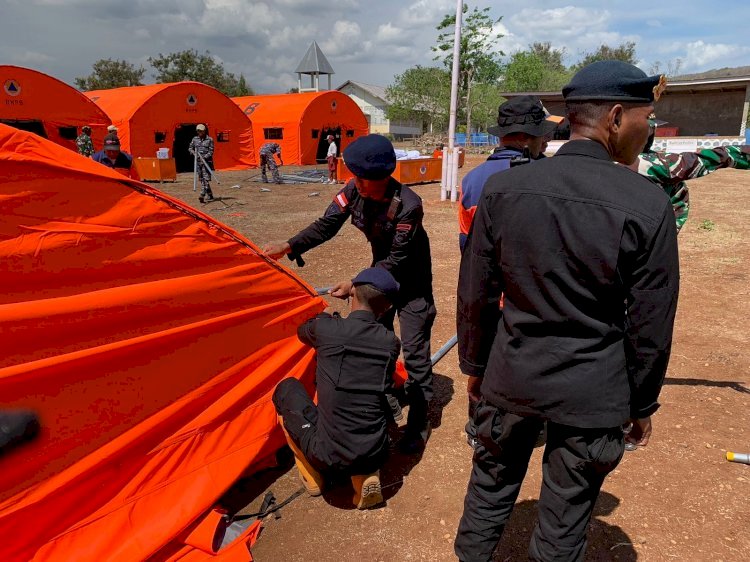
x: 341, y: 200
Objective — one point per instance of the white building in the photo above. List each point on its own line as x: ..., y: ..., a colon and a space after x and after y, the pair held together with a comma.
x: 373, y: 101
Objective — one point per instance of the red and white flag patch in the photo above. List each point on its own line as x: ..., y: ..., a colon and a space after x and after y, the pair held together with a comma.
x: 403, y: 227
x: 341, y: 200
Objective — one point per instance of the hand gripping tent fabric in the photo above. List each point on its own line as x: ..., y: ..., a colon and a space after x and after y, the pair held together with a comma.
x: 165, y: 116
x: 300, y: 123
x: 148, y: 338
x: 33, y: 101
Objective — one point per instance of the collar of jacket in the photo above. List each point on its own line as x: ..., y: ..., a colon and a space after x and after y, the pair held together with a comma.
x: 362, y: 315
x: 584, y: 147
x: 504, y: 152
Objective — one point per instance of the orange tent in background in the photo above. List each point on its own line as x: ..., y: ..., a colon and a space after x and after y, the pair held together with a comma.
x: 35, y: 102
x: 299, y: 123
x: 148, y: 338
x: 165, y: 116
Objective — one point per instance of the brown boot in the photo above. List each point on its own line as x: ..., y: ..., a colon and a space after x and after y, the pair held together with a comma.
x: 367, y: 490
x: 311, y: 478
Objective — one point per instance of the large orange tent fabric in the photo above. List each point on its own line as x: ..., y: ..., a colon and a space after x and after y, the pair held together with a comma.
x: 304, y: 120
x: 165, y: 115
x: 148, y: 338
x: 36, y: 102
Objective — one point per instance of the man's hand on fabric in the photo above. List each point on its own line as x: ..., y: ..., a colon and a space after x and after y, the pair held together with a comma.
x: 341, y: 290
x: 276, y: 250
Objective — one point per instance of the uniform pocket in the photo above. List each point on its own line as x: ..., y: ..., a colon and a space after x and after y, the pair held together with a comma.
x: 606, y: 452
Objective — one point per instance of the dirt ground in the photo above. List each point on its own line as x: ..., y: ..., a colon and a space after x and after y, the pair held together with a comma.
x: 677, y: 499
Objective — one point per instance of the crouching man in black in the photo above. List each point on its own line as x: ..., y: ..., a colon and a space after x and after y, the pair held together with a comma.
x: 347, y: 431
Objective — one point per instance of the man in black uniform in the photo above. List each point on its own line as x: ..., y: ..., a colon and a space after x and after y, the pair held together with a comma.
x: 390, y: 216
x: 356, y: 360
x: 585, y: 252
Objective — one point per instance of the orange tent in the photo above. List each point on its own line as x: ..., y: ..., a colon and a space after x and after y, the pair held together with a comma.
x: 299, y: 123
x: 165, y: 116
x: 148, y: 338
x: 36, y: 102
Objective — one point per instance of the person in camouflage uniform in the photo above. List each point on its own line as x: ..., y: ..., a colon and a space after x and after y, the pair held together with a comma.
x: 267, y: 160
x: 670, y: 170
x: 83, y: 142
x: 204, y: 145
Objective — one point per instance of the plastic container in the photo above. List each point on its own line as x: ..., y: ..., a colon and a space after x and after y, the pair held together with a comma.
x: 162, y: 153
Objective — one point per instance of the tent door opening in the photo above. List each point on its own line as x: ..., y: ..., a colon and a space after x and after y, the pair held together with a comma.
x: 320, y: 155
x: 183, y: 134
x: 36, y: 127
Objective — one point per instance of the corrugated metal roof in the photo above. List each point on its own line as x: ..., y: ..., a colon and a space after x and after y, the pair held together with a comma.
x: 314, y: 62
x: 377, y: 91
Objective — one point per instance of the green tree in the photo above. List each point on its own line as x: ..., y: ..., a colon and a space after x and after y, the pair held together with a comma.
x: 552, y: 58
x: 670, y: 68
x: 484, y: 101
x: 198, y: 67
x: 108, y: 73
x: 479, y: 63
x: 624, y: 52
x: 532, y: 71
x: 420, y: 94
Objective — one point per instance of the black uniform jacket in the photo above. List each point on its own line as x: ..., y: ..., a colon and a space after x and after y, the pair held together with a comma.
x: 399, y: 242
x: 356, y: 360
x: 585, y: 251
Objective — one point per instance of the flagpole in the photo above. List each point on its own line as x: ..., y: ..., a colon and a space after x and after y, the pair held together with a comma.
x: 451, y: 172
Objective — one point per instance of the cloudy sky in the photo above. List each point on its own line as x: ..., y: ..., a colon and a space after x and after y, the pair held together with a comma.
x: 365, y: 40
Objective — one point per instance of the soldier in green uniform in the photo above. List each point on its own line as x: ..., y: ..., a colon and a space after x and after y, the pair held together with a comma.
x: 670, y: 170
x: 83, y: 143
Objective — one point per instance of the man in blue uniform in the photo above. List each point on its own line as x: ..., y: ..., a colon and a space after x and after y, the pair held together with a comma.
x: 267, y: 160
x: 356, y: 356
x: 390, y: 216
x: 522, y: 125
x: 112, y: 157
x: 204, y: 145
x: 585, y: 253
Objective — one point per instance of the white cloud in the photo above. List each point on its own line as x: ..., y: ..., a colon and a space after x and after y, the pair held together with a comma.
x: 345, y: 38
x: 700, y: 54
x: 29, y: 58
x: 426, y: 12
x: 317, y: 5
x: 296, y: 35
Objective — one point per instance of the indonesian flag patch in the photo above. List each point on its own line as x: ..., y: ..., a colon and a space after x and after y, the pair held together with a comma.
x: 341, y: 200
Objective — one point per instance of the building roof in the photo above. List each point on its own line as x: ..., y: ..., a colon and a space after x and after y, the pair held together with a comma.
x: 377, y: 91
x: 314, y: 62
x: 673, y: 85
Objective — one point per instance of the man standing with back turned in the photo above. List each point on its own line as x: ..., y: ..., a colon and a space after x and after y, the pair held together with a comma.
x: 585, y: 252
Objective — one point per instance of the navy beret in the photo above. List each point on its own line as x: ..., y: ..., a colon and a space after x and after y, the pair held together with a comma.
x: 370, y: 157
x: 380, y: 279
x: 613, y: 80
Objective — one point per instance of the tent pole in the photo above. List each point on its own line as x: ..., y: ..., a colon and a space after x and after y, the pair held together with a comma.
x: 195, y: 170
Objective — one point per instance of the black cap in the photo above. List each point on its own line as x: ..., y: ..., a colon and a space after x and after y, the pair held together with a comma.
x: 522, y: 114
x: 370, y: 157
x: 613, y: 80
x: 380, y: 279
x: 111, y: 142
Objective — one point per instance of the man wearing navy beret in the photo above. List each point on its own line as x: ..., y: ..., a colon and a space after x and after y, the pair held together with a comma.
x: 390, y: 216
x: 347, y: 431
x: 585, y: 253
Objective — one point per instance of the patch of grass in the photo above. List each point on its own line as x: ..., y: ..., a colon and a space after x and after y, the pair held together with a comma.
x: 707, y: 224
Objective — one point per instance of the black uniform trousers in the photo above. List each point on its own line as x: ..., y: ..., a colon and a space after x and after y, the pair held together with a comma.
x: 416, y: 317
x: 300, y: 415
x: 575, y: 464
